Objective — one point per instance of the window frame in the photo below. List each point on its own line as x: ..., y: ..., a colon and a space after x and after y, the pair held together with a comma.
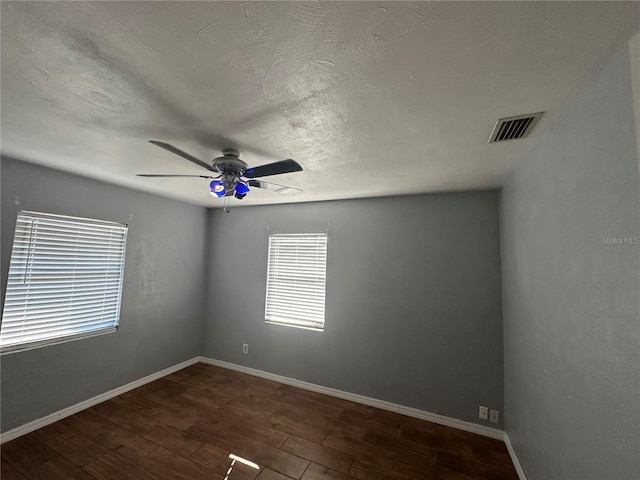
x: 61, y: 241
x: 279, y: 317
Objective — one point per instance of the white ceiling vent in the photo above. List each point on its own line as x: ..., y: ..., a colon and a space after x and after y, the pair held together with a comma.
x: 513, y: 128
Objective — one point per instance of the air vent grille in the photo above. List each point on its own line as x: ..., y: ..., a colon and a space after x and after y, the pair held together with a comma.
x: 513, y: 128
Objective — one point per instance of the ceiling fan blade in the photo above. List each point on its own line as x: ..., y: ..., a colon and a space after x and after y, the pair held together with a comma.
x: 276, y: 168
x: 176, y: 151
x: 274, y: 187
x: 163, y: 175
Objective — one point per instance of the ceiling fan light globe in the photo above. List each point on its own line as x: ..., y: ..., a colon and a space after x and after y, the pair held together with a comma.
x: 217, y: 188
x: 242, y: 188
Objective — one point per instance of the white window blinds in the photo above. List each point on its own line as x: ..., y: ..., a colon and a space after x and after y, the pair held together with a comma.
x: 296, y: 280
x: 65, y: 280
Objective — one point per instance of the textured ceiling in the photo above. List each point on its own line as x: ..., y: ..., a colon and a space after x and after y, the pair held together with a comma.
x: 371, y: 98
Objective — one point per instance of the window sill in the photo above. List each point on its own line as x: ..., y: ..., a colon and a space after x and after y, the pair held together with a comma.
x: 54, y: 341
x: 283, y: 324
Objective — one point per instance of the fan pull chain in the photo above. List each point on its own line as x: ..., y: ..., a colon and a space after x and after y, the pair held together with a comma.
x: 230, y: 468
x: 241, y: 460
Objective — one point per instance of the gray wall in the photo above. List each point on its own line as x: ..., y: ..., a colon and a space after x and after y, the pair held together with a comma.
x: 413, y: 306
x: 571, y: 307
x: 162, y: 304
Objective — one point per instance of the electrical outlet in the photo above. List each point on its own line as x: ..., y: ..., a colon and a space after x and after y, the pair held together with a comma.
x: 483, y: 413
x: 494, y: 415
x: 245, y: 349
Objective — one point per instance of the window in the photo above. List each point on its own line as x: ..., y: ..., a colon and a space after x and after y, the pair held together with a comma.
x: 296, y: 280
x: 65, y: 280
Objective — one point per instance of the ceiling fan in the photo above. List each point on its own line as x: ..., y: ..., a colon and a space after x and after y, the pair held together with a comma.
x: 235, y: 177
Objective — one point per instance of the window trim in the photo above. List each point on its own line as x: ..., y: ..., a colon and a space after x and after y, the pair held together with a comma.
x: 311, y: 325
x: 22, y: 240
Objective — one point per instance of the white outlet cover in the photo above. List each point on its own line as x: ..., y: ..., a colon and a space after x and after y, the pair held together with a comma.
x: 494, y: 416
x: 483, y: 413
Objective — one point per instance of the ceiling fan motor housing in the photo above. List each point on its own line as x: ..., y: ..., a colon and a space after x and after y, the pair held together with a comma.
x: 231, y: 168
x: 229, y: 162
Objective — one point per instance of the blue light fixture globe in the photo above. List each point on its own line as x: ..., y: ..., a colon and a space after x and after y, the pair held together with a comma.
x: 242, y: 188
x: 217, y: 188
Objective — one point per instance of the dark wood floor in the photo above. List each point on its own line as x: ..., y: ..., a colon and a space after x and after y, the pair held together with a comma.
x: 184, y: 426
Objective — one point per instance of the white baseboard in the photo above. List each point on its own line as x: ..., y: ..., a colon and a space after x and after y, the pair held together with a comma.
x: 514, y: 458
x: 372, y: 402
x: 59, y: 415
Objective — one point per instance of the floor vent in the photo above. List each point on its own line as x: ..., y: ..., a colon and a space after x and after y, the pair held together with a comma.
x: 513, y: 128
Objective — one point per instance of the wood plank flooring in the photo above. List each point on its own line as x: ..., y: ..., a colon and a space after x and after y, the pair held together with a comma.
x: 184, y: 426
